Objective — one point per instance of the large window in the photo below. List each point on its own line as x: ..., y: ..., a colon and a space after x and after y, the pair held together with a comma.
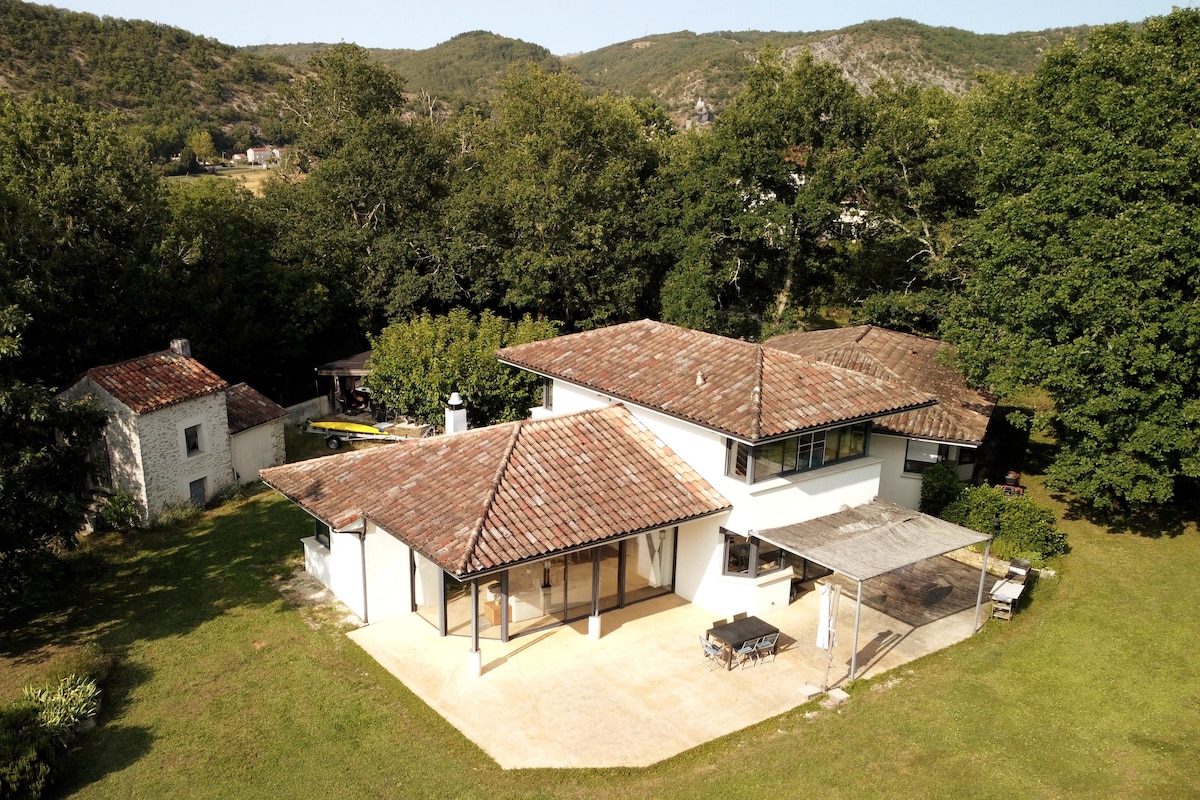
x: 797, y: 453
x: 920, y: 456
x: 751, y: 557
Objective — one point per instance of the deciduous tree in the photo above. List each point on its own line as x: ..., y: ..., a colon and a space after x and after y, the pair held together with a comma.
x: 416, y: 365
x: 43, y: 466
x: 1085, y: 261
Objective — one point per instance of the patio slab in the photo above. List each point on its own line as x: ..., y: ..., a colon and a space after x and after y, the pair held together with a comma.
x: 641, y: 692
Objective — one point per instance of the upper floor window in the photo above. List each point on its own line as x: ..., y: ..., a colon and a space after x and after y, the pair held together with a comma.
x: 920, y: 456
x: 800, y: 453
x: 193, y: 440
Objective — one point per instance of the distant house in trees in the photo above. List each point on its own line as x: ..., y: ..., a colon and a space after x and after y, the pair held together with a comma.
x: 262, y: 155
x: 177, y: 432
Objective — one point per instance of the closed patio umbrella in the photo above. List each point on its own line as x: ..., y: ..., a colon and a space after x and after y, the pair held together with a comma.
x: 827, y: 624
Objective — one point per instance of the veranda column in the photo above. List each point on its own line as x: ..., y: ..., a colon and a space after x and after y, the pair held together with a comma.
x: 474, y: 657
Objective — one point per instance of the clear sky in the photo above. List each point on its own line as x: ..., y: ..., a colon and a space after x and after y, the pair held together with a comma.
x: 569, y: 27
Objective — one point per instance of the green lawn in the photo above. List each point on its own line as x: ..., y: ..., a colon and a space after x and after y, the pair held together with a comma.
x: 222, y: 690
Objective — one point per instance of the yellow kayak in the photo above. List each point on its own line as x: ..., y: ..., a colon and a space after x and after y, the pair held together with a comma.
x: 346, y: 427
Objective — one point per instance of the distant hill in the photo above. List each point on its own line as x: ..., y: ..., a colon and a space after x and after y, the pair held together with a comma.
x: 171, y: 82
x: 677, y: 69
x: 466, y: 68
x: 168, y: 81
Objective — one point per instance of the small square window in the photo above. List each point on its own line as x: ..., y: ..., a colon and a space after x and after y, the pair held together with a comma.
x: 192, y: 443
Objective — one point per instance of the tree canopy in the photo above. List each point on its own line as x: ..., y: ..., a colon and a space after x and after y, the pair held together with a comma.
x: 1083, y: 265
x: 416, y: 365
x: 43, y: 465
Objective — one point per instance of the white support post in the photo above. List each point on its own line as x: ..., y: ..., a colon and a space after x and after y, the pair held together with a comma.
x: 982, y: 577
x: 857, y: 618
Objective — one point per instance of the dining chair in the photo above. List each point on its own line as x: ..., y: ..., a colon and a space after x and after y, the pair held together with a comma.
x: 747, y: 652
x: 714, y: 655
x: 767, y: 644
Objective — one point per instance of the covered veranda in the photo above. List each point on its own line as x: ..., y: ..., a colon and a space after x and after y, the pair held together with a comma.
x: 873, y: 540
x: 640, y: 693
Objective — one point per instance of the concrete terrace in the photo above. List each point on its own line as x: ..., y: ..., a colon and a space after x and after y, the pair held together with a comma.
x: 641, y: 692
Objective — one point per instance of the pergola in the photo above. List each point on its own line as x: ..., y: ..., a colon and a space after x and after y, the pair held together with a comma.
x: 873, y: 539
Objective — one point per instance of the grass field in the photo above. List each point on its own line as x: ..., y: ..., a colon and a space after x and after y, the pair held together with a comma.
x: 252, y: 178
x: 221, y: 689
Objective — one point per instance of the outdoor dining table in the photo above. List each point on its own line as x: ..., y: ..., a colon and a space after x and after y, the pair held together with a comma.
x: 733, y: 635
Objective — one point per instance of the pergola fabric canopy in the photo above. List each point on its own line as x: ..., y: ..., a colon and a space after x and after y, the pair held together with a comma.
x: 870, y: 540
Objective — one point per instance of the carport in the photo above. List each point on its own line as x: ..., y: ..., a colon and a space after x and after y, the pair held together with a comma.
x: 873, y: 539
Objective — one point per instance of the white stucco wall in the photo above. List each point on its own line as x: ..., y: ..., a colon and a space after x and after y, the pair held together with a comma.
x: 388, y: 577
x: 257, y: 448
x: 344, y: 568
x: 905, y: 487
x: 894, y: 483
x: 339, y: 567
x: 121, y: 438
x: 168, y: 468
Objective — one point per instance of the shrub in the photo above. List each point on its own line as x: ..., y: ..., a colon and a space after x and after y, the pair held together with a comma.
x: 120, y: 513
x: 939, y: 488
x: 35, y: 732
x: 1027, y: 530
x: 63, y: 706
x: 27, y: 753
x: 180, y: 514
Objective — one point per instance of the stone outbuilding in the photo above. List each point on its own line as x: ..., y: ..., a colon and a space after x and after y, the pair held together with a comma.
x: 177, y: 432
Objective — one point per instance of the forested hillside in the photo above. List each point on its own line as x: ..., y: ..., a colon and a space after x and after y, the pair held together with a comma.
x: 173, y: 84
x: 167, y: 82
x: 677, y: 69
x: 465, y: 69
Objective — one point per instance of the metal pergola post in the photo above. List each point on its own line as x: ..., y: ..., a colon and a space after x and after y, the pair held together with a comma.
x: 857, y: 619
x: 987, y: 549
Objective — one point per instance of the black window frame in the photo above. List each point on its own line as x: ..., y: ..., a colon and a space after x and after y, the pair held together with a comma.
x: 793, y: 455
x: 755, y: 550
x: 915, y: 466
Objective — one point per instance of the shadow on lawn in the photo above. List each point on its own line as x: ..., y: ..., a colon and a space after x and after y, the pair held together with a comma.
x: 165, y: 582
x: 112, y: 746
x: 1151, y: 522
x: 1011, y: 447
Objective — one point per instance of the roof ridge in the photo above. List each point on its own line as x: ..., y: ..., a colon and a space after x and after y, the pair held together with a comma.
x: 493, y: 490
x: 866, y: 329
x: 757, y: 391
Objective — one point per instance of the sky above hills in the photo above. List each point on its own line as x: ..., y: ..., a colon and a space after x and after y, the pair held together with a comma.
x: 569, y: 27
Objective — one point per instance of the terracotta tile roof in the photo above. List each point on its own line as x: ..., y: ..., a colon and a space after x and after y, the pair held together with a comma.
x: 741, y: 388
x: 962, y: 413
x: 247, y: 408
x: 494, y: 496
x: 157, y: 380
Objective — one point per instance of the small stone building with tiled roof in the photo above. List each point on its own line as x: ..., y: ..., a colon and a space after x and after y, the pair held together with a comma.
x: 176, y: 429
x: 950, y: 432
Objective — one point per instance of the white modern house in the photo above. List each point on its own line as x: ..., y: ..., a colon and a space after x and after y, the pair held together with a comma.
x: 177, y: 432
x: 662, y: 460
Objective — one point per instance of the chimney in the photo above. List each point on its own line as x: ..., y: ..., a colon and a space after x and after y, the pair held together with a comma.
x: 456, y: 415
x: 181, y: 347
